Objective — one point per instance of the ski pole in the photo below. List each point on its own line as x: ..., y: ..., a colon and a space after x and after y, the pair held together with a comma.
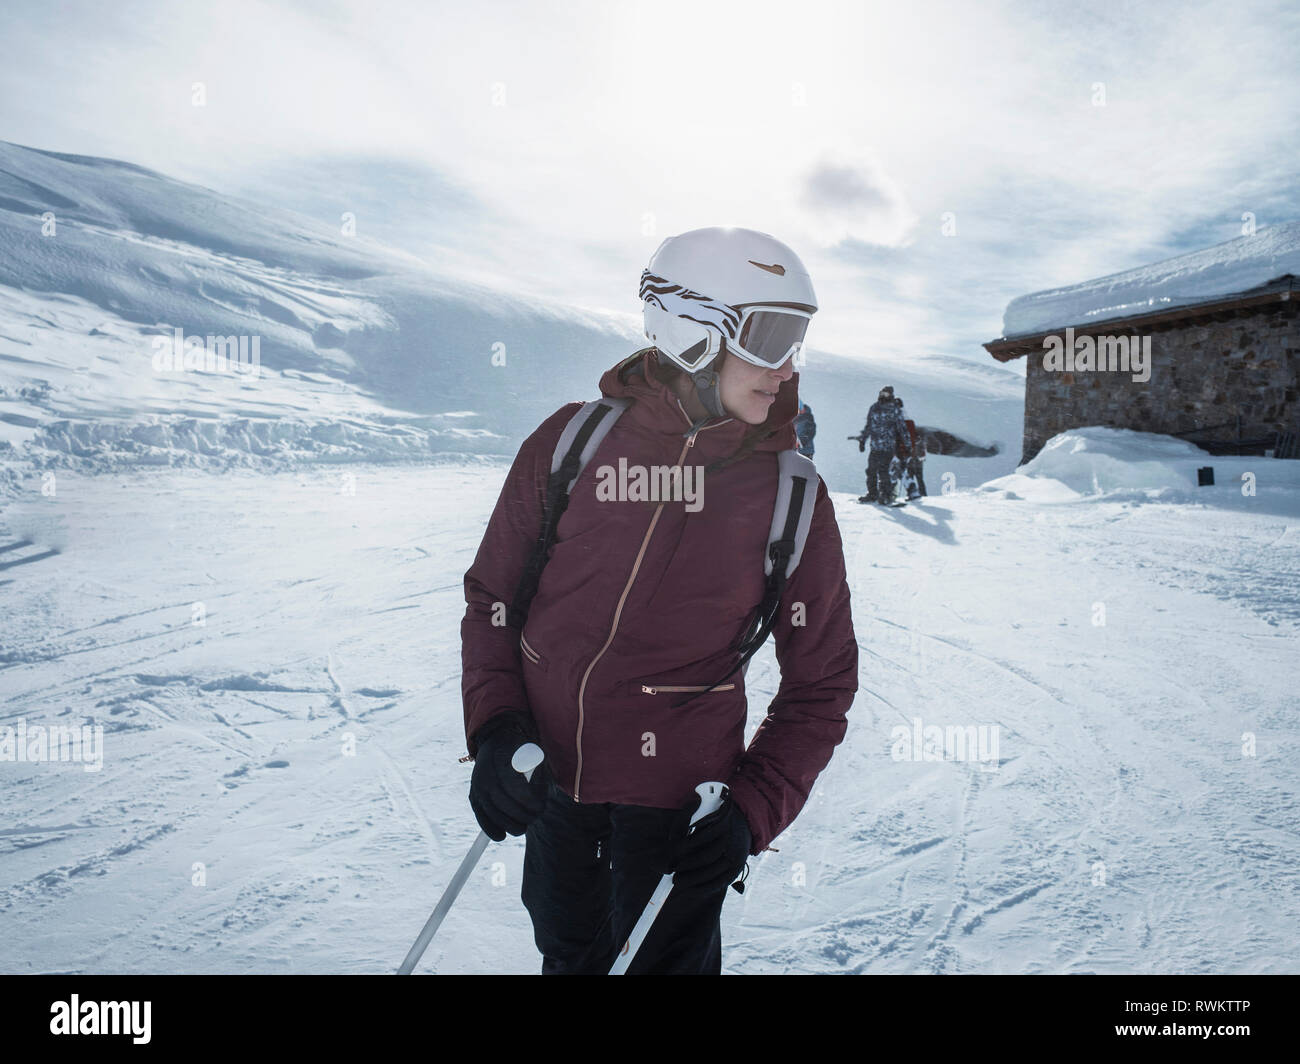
x: 525, y: 760
x: 711, y: 796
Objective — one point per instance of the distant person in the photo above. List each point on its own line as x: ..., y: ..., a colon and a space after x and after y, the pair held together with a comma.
x: 884, y: 431
x: 805, y: 428
x: 914, y: 478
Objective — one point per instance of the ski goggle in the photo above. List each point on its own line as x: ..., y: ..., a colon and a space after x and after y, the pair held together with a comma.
x: 766, y: 336
x: 770, y: 336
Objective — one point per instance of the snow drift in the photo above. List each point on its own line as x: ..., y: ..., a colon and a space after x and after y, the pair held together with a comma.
x: 1097, y: 461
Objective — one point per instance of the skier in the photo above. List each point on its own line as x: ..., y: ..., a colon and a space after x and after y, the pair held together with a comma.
x: 625, y: 669
x: 805, y: 428
x: 912, y: 459
x: 885, y: 431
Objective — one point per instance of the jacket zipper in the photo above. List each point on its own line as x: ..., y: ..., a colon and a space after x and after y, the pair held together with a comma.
x: 582, y: 688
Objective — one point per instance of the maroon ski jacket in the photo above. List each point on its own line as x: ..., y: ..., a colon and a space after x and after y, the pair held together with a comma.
x: 639, y: 605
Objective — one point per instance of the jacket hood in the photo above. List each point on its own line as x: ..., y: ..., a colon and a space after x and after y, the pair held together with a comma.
x: 634, y: 378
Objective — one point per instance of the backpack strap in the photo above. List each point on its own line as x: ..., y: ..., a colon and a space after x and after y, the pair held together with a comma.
x: 585, y: 432
x: 796, y: 497
x: 576, y: 446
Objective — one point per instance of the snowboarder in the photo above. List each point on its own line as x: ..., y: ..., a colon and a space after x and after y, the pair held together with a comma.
x: 625, y: 667
x: 914, y: 478
x: 805, y: 428
x: 885, y: 432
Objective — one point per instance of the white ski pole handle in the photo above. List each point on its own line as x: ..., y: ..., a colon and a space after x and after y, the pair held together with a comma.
x: 711, y: 795
x: 525, y: 760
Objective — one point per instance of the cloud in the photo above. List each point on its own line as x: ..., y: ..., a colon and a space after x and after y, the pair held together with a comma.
x: 854, y: 199
x: 554, y: 146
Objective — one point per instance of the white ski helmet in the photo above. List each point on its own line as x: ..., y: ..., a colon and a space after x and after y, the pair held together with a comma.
x: 717, y: 288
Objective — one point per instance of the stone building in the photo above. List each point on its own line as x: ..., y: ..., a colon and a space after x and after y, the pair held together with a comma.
x: 1220, y: 368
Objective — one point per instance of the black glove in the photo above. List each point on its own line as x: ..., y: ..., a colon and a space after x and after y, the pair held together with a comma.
x: 503, y: 800
x: 862, y: 444
x: 713, y: 855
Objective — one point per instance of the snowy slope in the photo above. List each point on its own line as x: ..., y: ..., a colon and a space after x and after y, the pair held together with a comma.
x: 1118, y: 828
x: 273, y: 653
x: 1225, y: 269
x: 349, y: 331
x: 366, y: 353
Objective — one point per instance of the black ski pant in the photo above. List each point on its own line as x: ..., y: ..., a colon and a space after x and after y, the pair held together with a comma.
x: 879, y: 486
x: 589, y: 869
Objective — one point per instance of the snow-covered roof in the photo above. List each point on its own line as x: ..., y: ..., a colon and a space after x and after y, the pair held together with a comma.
x: 1207, y: 275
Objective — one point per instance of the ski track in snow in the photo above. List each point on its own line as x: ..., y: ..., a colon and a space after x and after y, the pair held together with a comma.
x: 1120, y: 827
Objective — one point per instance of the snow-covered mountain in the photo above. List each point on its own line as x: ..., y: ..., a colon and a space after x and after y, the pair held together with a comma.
x: 364, y: 352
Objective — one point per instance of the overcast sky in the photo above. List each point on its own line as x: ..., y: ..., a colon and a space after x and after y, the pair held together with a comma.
x: 549, y: 147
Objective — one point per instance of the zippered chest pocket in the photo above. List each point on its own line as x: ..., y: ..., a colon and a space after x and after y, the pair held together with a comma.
x: 680, y: 689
